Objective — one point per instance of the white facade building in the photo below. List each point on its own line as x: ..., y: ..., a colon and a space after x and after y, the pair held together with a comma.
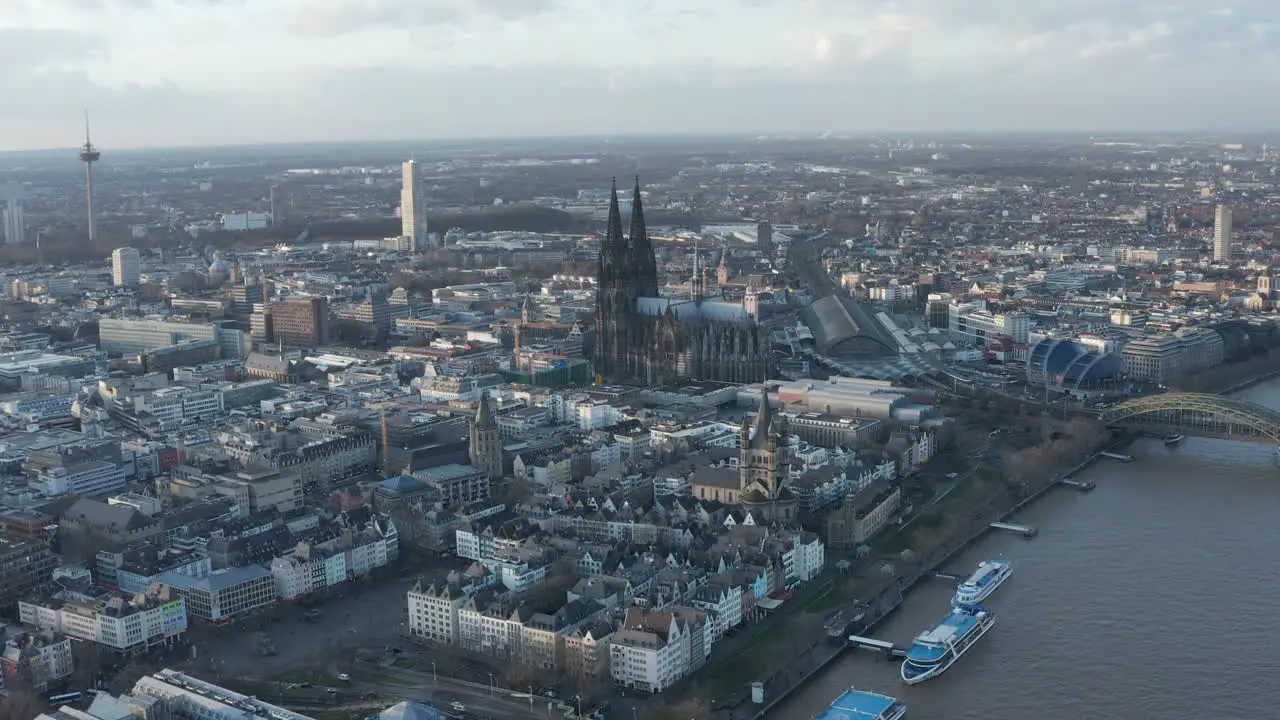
x: 1222, y: 234
x: 597, y: 415
x: 434, y: 612
x: 651, y: 652
x: 126, y: 267
x: 96, y: 478
x: 11, y: 221
x: 805, y: 558
x: 971, y: 323
x: 413, y: 206
x: 315, y: 567
x: 122, y: 624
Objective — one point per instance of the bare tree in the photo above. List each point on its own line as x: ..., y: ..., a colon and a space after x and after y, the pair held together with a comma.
x: 22, y: 704
x: 128, y: 676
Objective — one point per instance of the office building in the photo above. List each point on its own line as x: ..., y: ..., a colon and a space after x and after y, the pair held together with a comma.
x: 972, y: 324
x: 764, y: 238
x: 277, y: 205
x: 457, y: 485
x: 302, y: 322
x: 1162, y: 359
x: 26, y: 566
x: 224, y: 595
x: 374, y: 314
x: 413, y: 206
x: 119, y: 335
x: 1222, y: 234
x: 11, y: 223
x: 126, y: 267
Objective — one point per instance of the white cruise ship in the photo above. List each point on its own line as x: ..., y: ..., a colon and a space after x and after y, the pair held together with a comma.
x: 936, y: 650
x: 984, y: 581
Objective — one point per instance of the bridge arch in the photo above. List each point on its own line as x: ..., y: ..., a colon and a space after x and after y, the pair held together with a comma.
x: 1198, y: 414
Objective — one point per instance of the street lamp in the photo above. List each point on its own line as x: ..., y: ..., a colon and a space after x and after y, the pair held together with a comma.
x: 492, y: 682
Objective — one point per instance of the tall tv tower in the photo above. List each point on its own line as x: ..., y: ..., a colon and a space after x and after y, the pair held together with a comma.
x: 89, y: 155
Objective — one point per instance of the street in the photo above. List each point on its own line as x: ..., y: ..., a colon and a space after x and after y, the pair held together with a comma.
x: 480, y: 702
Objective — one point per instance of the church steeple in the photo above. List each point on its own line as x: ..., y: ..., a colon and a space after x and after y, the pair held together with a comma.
x: 613, y: 238
x: 695, y: 283
x: 526, y: 311
x: 641, y: 248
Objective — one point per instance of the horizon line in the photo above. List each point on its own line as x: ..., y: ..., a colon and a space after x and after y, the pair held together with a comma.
x: 782, y: 136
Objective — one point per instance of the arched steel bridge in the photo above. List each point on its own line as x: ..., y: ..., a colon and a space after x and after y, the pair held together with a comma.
x: 1197, y: 414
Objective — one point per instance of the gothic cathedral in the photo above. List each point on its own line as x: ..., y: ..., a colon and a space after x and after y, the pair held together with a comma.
x: 643, y: 336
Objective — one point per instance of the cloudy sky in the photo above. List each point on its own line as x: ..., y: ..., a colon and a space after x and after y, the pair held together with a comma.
x: 198, y: 72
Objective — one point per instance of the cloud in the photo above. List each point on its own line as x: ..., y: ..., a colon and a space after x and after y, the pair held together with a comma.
x: 799, y: 65
x: 24, y: 51
x: 327, y: 18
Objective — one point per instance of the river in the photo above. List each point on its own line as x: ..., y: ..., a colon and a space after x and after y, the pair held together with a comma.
x: 1154, y: 596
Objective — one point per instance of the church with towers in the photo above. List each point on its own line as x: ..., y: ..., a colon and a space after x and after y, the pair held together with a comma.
x: 643, y: 336
x: 761, y: 482
x: 764, y: 468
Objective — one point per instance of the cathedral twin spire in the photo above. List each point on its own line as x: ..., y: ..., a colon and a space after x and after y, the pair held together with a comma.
x: 628, y: 260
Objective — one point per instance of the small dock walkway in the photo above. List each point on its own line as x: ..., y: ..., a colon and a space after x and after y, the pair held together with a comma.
x: 887, y: 648
x: 1024, y: 530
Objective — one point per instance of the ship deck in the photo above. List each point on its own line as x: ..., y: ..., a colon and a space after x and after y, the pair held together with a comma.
x: 985, y: 574
x: 932, y: 645
x: 856, y: 704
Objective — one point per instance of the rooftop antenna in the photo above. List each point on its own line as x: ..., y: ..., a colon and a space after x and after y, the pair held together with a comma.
x: 89, y: 155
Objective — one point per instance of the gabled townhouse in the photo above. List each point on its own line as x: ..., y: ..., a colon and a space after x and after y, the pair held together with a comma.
x: 651, y: 651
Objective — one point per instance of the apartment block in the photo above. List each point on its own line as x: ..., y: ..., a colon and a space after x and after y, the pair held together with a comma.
x: 651, y: 651
x: 124, y: 624
x: 34, y: 659
x: 433, y: 612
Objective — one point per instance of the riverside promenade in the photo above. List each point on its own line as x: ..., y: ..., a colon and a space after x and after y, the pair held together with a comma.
x: 824, y: 651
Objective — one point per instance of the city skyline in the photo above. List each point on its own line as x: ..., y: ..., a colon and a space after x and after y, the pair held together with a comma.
x: 215, y: 72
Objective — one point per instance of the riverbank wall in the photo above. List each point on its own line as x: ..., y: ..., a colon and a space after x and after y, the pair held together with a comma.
x: 1245, y: 384
x: 891, y: 598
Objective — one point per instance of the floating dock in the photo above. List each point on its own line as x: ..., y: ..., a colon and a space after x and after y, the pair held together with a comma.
x: 887, y: 648
x: 1025, y: 530
x: 946, y: 576
x: 1116, y: 456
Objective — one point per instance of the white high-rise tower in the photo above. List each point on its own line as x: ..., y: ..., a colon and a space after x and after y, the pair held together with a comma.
x: 126, y: 267
x: 1222, y: 234
x: 12, y: 228
x: 413, y: 207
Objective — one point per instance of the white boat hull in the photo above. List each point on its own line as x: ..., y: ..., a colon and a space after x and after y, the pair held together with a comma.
x: 950, y: 659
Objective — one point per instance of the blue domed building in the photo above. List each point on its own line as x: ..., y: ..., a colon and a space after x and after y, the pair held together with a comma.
x: 1071, y: 366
